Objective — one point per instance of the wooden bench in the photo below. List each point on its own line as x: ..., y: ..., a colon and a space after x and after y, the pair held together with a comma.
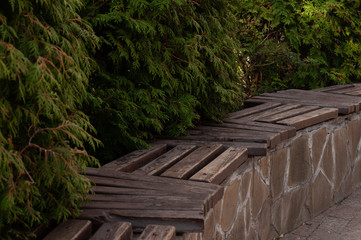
x: 176, y: 182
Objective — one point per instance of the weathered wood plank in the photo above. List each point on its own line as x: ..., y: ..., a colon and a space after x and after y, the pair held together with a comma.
x: 254, y: 149
x: 356, y: 92
x: 253, y: 110
x: 286, y: 132
x: 287, y: 114
x: 332, y: 88
x: 311, y: 118
x: 160, y: 164
x: 114, y: 231
x: 221, y: 167
x: 99, y: 216
x: 143, y: 213
x: 146, y: 180
x: 157, y: 232
x: 195, y: 205
x: 270, y: 138
x: 71, y: 230
x: 283, y: 133
x: 113, y: 197
x: 341, y: 108
x: 193, y: 162
x: 270, y: 112
x: 169, y: 187
x: 136, y: 159
x: 322, y: 98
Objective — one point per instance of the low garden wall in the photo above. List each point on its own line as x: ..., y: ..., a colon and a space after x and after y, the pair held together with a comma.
x: 300, y: 178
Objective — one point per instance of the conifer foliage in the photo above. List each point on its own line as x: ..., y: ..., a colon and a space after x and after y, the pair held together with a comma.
x: 44, y: 67
x: 162, y: 65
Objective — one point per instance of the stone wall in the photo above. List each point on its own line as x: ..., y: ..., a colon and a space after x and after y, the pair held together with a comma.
x: 300, y: 178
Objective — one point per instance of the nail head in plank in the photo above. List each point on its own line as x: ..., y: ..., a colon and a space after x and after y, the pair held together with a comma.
x: 72, y: 229
x: 221, y: 167
x: 287, y: 114
x: 249, y: 111
x: 114, y: 231
x: 311, y: 118
x: 136, y: 159
x: 166, y: 160
x: 156, y: 232
x: 194, y: 161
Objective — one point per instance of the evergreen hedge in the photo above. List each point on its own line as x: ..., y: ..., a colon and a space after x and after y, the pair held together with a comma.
x: 162, y: 65
x: 44, y: 70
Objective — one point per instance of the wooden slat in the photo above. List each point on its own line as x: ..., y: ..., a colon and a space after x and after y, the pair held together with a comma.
x: 114, y: 231
x: 355, y: 87
x: 288, y: 114
x: 209, y: 192
x: 193, y: 162
x: 283, y: 133
x: 254, y: 149
x: 160, y: 164
x: 221, y: 167
x: 270, y: 112
x: 71, y: 230
x: 157, y: 232
x: 286, y: 132
x: 186, y: 224
x: 355, y: 93
x: 142, y: 213
x: 332, y: 88
x: 136, y: 159
x: 253, y: 110
x: 342, y: 109
x: 321, y: 98
x: 193, y: 205
x: 271, y: 138
x: 311, y: 118
x: 114, y: 197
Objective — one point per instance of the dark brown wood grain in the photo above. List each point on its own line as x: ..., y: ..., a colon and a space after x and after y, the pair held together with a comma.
x: 253, y: 110
x: 157, y: 232
x: 221, y: 167
x: 166, y: 160
x: 114, y: 231
x: 73, y: 229
x: 136, y: 159
x: 287, y: 114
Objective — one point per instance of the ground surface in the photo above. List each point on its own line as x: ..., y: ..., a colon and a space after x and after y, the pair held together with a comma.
x: 342, y: 221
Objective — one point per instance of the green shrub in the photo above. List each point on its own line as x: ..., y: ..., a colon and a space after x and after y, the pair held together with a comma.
x: 163, y: 64
x: 300, y: 44
x: 44, y: 67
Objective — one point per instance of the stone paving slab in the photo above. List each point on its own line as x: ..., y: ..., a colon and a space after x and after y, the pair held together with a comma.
x: 340, y: 222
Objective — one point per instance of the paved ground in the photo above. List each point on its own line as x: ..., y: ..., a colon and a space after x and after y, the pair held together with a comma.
x: 342, y: 221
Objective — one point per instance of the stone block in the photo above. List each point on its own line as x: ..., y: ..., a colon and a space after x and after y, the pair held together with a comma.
x: 245, y: 185
x: 278, y: 170
x: 263, y: 164
x: 318, y: 141
x: 300, y: 166
x: 342, y: 162
x: 354, y: 133
x: 263, y: 223
x: 321, y: 195
x: 230, y: 205
x: 260, y: 192
x: 356, y: 175
x: 327, y: 161
x: 209, y: 226
x: 238, y: 231
x: 286, y: 210
x: 217, y: 212
x: 345, y: 189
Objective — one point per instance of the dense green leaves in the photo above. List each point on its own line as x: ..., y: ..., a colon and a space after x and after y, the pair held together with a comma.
x: 302, y: 44
x: 44, y: 69
x: 162, y: 65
